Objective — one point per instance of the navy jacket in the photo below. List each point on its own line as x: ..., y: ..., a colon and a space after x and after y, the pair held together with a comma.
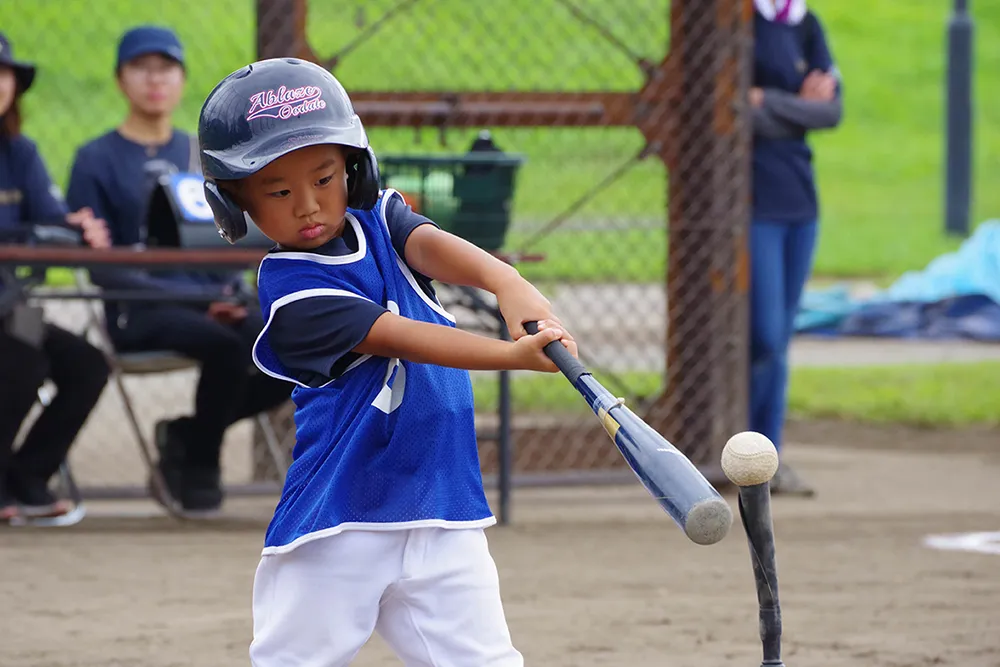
x: 115, y: 177
x: 784, y: 188
x: 27, y: 194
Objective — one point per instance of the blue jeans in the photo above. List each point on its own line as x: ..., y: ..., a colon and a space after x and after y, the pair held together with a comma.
x: 780, y: 261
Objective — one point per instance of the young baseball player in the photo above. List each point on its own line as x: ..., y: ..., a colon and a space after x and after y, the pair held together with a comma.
x: 380, y: 523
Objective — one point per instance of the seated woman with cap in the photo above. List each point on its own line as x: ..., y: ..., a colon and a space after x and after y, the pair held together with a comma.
x: 78, y: 369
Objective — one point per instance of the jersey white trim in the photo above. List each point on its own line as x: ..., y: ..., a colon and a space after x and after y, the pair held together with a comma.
x: 320, y: 258
x: 378, y: 527
x: 299, y: 296
x: 434, y: 304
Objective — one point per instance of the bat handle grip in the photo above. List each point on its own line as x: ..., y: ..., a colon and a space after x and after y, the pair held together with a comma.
x: 560, y: 356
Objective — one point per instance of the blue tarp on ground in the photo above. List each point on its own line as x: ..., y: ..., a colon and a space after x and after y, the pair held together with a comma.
x: 956, y: 296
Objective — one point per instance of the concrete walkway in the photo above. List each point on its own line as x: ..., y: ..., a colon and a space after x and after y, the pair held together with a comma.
x: 820, y: 351
x: 623, y: 328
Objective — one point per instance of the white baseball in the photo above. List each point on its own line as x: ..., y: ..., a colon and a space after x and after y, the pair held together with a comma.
x: 749, y: 458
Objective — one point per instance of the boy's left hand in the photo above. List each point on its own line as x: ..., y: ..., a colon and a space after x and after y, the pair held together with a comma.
x: 521, y: 302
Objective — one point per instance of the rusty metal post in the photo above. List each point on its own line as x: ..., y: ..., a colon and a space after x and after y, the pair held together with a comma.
x: 281, y: 29
x: 692, y: 113
x: 739, y: 61
x: 705, y: 398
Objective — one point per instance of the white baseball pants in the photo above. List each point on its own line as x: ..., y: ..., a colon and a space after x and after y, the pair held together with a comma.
x: 432, y: 594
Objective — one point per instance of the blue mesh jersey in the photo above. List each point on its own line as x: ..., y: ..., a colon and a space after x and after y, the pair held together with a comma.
x: 387, y: 444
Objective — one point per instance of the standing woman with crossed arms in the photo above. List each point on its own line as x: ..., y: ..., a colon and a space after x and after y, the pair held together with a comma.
x: 796, y: 89
x: 78, y: 369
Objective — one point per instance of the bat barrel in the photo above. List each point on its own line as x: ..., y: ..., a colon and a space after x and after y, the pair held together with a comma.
x: 670, y: 477
x: 755, y: 512
x: 676, y: 484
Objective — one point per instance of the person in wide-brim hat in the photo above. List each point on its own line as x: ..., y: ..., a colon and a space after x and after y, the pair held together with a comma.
x: 78, y: 368
x: 24, y: 72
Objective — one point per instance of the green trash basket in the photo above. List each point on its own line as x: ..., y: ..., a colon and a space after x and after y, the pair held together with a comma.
x: 468, y: 195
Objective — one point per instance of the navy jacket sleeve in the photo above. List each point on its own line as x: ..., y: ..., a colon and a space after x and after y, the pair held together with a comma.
x: 44, y: 202
x: 787, y: 108
x: 313, y: 338
x: 806, y: 114
x: 85, y: 190
x: 769, y: 125
x: 816, y: 48
x: 809, y: 114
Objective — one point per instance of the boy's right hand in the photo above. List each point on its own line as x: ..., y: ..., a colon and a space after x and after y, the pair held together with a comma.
x: 529, y: 353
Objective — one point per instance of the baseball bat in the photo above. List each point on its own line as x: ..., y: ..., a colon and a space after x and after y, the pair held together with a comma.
x: 755, y: 513
x: 669, y: 476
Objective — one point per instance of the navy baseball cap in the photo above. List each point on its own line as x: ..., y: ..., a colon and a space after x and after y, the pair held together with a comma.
x: 23, y: 72
x: 147, y: 39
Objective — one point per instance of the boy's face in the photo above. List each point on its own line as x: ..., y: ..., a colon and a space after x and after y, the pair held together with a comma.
x: 300, y: 199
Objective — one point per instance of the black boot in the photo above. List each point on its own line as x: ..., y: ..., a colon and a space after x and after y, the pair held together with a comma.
x: 787, y: 482
x: 202, y: 489
x: 194, y: 485
x: 171, y: 462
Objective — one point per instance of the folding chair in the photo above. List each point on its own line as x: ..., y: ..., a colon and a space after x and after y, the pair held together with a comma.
x: 124, y: 364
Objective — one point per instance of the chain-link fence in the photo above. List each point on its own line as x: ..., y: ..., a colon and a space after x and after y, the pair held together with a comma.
x: 595, y: 98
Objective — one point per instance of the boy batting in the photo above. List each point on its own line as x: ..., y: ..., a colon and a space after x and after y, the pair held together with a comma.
x: 380, y: 525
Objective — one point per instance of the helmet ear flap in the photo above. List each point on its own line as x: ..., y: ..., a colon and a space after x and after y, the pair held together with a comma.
x: 229, y: 218
x: 363, y: 180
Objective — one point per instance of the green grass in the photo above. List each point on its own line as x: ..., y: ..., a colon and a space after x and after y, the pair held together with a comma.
x: 880, y: 173
x: 939, y: 395
x: 947, y: 394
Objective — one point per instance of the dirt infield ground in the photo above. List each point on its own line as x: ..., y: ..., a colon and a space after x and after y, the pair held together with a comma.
x: 590, y: 577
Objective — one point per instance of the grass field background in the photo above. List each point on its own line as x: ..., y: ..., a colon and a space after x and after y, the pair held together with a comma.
x: 880, y: 173
x: 924, y: 395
